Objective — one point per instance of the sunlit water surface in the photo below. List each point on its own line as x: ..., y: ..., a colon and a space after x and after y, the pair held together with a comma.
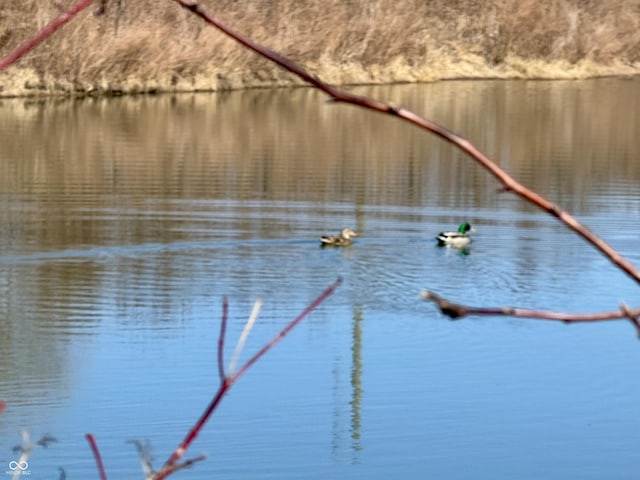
x: 124, y: 223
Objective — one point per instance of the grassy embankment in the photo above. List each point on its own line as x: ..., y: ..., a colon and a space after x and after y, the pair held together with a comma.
x: 149, y: 45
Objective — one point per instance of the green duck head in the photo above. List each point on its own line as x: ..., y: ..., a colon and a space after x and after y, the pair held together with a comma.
x: 466, y: 227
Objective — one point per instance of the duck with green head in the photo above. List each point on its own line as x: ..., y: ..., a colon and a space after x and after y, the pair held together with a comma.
x: 344, y: 239
x: 459, y: 239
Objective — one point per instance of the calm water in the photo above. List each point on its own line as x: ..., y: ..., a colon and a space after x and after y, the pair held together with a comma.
x: 124, y: 222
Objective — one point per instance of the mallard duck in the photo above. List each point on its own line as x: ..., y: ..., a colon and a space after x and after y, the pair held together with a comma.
x: 459, y: 239
x: 342, y: 240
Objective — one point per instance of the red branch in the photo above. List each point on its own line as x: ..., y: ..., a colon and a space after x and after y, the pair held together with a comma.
x: 223, y: 329
x: 227, y: 381
x: 508, y: 182
x: 277, y: 338
x: 456, y: 311
x: 96, y: 454
x: 3, y: 405
x: 45, y: 33
x: 632, y: 315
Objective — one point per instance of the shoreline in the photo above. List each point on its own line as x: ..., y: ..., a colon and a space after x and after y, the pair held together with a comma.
x: 16, y: 82
x: 150, y: 47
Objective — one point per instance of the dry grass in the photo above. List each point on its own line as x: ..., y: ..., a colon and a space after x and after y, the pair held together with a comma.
x: 153, y: 45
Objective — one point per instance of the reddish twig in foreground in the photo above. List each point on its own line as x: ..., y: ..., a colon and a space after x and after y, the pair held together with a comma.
x: 45, y: 33
x: 3, y: 405
x: 508, y: 182
x: 457, y: 311
x: 632, y: 315
x: 226, y: 382
x: 96, y: 453
x: 228, y: 379
x: 223, y: 330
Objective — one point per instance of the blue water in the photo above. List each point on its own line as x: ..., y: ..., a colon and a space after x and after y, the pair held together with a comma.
x: 111, y: 288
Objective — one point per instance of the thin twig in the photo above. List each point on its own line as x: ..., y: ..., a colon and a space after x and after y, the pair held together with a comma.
x: 193, y: 433
x: 45, y: 33
x: 96, y: 454
x: 283, y: 333
x: 145, y: 456
x: 223, y: 329
x: 243, y: 336
x: 226, y: 382
x: 632, y: 315
x: 456, y: 311
x: 509, y: 183
x: 25, y: 451
x: 166, y: 471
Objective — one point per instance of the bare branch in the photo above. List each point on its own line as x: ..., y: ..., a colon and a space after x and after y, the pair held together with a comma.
x: 45, y: 33
x: 166, y: 471
x: 632, y: 315
x: 227, y: 381
x: 96, y: 454
x: 509, y: 183
x: 223, y: 329
x: 25, y: 450
x: 145, y: 455
x: 283, y: 333
x: 46, y: 440
x: 243, y: 336
x: 456, y: 311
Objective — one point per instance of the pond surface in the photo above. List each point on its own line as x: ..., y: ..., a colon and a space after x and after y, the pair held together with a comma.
x: 124, y: 222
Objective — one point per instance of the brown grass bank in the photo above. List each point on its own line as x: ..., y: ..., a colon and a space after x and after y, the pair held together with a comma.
x: 151, y: 45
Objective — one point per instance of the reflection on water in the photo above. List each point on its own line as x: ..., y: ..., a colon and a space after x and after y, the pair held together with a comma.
x: 243, y: 145
x: 124, y: 221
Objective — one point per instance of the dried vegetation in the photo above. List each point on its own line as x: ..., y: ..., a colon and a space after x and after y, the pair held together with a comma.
x: 147, y: 45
